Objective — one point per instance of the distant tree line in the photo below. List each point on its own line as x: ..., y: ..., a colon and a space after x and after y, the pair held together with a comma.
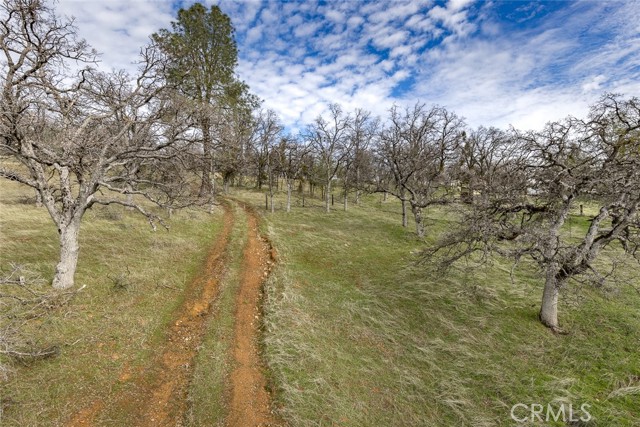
x: 185, y: 123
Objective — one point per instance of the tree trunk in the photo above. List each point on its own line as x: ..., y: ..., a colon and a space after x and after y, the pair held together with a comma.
x: 345, y: 201
x: 38, y: 199
x: 327, y: 197
x: 129, y: 198
x: 69, y: 249
x: 289, y: 185
x: 205, y: 185
x: 417, y: 213
x: 357, y: 200
x: 549, y: 309
x: 405, y: 219
x: 273, y: 206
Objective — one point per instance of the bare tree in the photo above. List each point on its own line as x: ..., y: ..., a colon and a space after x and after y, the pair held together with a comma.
x: 482, y: 151
x: 542, y: 179
x: 329, y: 140
x: 267, y: 136
x: 290, y: 155
x: 363, y: 130
x: 85, y: 139
x: 418, y: 149
x: 232, y: 137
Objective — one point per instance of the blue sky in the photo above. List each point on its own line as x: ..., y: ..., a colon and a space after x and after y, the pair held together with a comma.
x: 493, y: 62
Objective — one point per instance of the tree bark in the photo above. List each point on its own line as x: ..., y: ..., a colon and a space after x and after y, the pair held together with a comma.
x: 405, y: 219
x: 205, y: 186
x: 549, y: 308
x: 345, y: 201
x: 289, y: 184
x: 357, y: 200
x: 327, y: 197
x: 69, y: 250
x: 417, y: 213
x: 129, y: 197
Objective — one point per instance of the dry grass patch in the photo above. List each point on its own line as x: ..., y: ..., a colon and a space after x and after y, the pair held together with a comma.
x: 132, y: 280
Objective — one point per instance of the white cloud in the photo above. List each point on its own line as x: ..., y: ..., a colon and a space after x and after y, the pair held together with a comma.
x: 594, y: 83
x: 306, y: 29
x: 116, y: 28
x: 458, y: 4
x: 335, y: 16
x: 391, y: 39
x: 300, y: 56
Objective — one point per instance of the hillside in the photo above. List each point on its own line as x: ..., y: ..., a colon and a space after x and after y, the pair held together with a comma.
x: 354, y: 332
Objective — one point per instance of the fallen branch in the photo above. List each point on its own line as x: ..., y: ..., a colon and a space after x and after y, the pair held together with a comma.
x: 26, y: 357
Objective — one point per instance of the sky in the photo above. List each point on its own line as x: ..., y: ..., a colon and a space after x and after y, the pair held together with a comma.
x: 495, y: 63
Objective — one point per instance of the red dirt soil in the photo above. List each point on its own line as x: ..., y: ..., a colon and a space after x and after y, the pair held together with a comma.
x: 250, y: 402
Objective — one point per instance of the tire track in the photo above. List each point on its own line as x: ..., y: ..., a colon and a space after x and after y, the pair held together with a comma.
x: 250, y: 404
x: 161, y: 390
x: 159, y: 397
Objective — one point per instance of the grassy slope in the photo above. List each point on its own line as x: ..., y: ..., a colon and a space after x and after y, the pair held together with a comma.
x: 357, y: 336
x: 108, y: 332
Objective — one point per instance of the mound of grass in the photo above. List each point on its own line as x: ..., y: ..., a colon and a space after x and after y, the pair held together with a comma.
x: 132, y: 278
x: 357, y: 335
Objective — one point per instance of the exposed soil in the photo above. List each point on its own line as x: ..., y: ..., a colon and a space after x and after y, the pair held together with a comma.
x: 250, y: 403
x: 160, y: 392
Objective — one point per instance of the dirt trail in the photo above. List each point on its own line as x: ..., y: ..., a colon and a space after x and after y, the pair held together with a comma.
x: 250, y: 402
x: 166, y: 404
x: 159, y: 395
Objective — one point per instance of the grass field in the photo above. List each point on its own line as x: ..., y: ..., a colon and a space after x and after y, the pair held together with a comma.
x: 133, y: 279
x: 355, y: 333
x: 358, y: 335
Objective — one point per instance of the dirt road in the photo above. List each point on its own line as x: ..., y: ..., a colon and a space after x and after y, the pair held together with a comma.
x: 161, y: 390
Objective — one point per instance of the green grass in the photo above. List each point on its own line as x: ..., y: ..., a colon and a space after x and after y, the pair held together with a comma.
x: 133, y: 279
x: 357, y: 335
